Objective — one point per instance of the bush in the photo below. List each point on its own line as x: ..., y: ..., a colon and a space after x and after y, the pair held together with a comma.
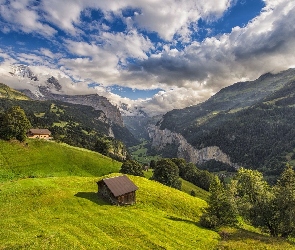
x: 209, y: 221
x: 167, y: 173
x: 131, y: 167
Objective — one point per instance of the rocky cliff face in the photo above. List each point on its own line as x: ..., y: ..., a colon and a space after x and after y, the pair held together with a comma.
x: 161, y: 138
x: 95, y: 101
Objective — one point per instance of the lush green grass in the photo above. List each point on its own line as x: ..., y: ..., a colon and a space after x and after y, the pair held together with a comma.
x: 39, y: 114
x: 187, y: 187
x: 148, y: 174
x: 6, y: 92
x: 65, y: 213
x: 61, y: 210
x: 60, y: 124
x: 40, y: 158
x: 239, y: 238
x: 56, y: 109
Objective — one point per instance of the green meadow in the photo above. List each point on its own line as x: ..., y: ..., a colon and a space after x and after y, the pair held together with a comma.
x: 48, y: 200
x: 39, y: 158
x: 65, y: 213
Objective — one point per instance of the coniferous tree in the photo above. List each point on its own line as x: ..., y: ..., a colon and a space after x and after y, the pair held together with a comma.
x: 221, y: 208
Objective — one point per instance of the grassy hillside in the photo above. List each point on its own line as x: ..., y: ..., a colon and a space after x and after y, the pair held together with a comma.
x: 61, y: 210
x: 65, y: 213
x: 187, y: 187
x: 39, y: 158
x: 6, y: 92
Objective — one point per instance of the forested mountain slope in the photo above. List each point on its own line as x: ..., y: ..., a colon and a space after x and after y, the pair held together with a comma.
x: 75, y: 124
x: 252, y: 122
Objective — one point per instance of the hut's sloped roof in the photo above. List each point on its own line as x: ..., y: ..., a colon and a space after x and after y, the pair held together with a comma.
x: 120, y: 185
x: 40, y: 131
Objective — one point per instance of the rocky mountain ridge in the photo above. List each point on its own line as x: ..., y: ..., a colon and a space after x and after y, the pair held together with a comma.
x: 23, y: 71
x: 161, y: 138
x: 250, y: 122
x: 97, y: 102
x: 47, y: 87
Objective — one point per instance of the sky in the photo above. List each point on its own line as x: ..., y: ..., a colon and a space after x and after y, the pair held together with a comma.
x: 158, y: 55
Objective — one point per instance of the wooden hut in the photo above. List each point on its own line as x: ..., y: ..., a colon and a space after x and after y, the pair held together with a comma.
x: 119, y: 190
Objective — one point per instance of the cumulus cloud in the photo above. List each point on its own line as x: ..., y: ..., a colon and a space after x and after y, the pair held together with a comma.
x: 102, y: 62
x: 174, y: 17
x: 166, y: 17
x: 62, y: 14
x: 20, y: 16
x: 177, y: 98
x: 264, y: 45
x: 187, y: 74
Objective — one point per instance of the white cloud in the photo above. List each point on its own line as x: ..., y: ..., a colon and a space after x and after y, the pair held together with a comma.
x: 63, y: 14
x: 100, y: 62
x: 129, y: 58
x: 21, y: 17
x: 171, y: 17
x: 166, y: 17
x: 264, y: 45
x: 127, y: 45
x: 174, y: 99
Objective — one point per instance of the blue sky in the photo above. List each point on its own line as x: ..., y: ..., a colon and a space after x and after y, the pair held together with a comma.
x: 156, y: 54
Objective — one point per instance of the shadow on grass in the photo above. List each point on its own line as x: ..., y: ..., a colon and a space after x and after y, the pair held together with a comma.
x: 92, y: 196
x: 242, y: 235
x: 182, y: 220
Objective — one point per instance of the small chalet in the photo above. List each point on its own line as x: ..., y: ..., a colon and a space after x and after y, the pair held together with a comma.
x: 118, y: 190
x: 39, y: 133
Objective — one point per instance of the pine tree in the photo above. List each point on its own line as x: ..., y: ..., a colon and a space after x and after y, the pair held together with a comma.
x: 221, y: 208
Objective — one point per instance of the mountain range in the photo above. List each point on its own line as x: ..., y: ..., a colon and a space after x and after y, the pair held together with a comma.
x: 248, y: 124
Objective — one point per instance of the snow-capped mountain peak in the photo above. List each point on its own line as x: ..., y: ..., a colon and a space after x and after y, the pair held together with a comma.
x: 23, y: 71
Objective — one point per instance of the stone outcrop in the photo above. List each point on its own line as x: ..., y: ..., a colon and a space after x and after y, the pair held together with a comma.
x: 161, y: 138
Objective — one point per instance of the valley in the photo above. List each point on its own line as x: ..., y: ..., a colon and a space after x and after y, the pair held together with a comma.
x: 49, y: 200
x: 147, y: 125
x: 233, y: 129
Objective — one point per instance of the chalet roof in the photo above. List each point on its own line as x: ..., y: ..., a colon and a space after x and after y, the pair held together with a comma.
x: 120, y: 185
x: 37, y: 131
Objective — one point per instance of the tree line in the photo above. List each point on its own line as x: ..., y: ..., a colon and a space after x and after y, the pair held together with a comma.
x: 169, y: 171
x: 249, y: 196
